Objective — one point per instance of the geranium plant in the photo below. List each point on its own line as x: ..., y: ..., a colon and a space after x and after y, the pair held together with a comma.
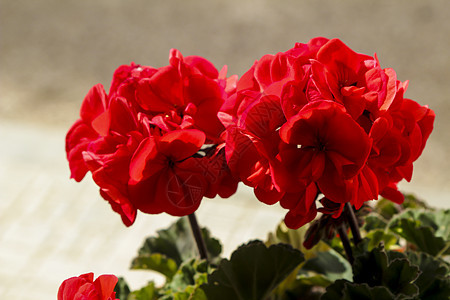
x: 318, y: 129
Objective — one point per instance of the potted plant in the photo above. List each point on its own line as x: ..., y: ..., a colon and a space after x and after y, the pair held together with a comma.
x: 319, y: 129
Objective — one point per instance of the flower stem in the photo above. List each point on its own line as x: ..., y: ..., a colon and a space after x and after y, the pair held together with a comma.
x: 345, y: 242
x: 198, y: 236
x: 353, y: 223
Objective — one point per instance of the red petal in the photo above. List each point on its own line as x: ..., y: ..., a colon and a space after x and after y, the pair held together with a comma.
x: 263, y: 117
x: 391, y: 192
x: 379, y: 128
x: 181, y: 144
x: 268, y: 196
x: 120, y: 205
x: 144, y: 194
x: 185, y: 189
x: 391, y: 89
x: 294, y: 220
x: 147, y: 151
x: 318, y: 165
x: 162, y: 92
x: 262, y: 71
x: 121, y: 116
x: 105, y: 285
x: 332, y: 185
x: 335, y: 53
x: 101, y: 124
x: 241, y: 153
x: 203, y: 65
x: 406, y: 171
x: 320, y: 81
x: 77, y: 140
x: 94, y: 103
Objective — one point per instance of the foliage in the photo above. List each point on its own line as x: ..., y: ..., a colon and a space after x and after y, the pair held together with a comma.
x: 429, y: 231
x: 252, y: 272
x: 171, y: 247
x: 403, y: 255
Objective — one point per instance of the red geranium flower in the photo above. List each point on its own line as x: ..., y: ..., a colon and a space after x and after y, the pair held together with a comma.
x: 322, y: 119
x: 147, y: 118
x: 165, y: 175
x: 352, y: 79
x: 84, y: 287
x: 332, y: 147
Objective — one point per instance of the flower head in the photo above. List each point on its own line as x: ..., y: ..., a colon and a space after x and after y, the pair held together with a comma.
x: 144, y: 142
x: 84, y: 287
x: 322, y: 119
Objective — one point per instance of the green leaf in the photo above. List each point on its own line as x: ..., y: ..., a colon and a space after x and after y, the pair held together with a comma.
x: 370, y: 266
x: 331, y: 264
x: 149, y: 292
x: 395, y: 255
x: 295, y: 238
x: 442, y: 220
x: 122, y: 290
x: 434, y: 277
x: 314, y: 281
x: 377, y: 236
x: 190, y: 275
x: 399, y: 277
x: 252, y: 272
x: 386, y: 208
x: 191, y: 293
x: 157, y: 262
x: 422, y: 237
x: 374, y: 221
x: 376, y: 269
x: 439, y: 290
x: 336, y: 244
x: 305, y: 288
x: 297, y: 285
x: 213, y: 246
x: 412, y: 201
x: 285, y: 235
x: 166, y: 252
x: 345, y: 290
x: 429, y: 231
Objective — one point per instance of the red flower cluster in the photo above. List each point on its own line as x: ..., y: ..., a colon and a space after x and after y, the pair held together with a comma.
x: 322, y: 119
x: 84, y: 287
x: 318, y: 119
x: 154, y: 143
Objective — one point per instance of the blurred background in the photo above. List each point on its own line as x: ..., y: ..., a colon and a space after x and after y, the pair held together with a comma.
x: 52, y: 52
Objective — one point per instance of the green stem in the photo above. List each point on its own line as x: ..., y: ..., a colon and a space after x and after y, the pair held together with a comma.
x: 346, y: 243
x: 353, y: 223
x: 201, y: 246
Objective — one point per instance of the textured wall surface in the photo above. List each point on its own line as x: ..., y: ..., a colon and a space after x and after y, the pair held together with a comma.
x: 52, y: 52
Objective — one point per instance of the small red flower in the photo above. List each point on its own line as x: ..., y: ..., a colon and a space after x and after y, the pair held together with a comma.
x: 84, y: 287
x: 332, y: 147
x: 164, y: 174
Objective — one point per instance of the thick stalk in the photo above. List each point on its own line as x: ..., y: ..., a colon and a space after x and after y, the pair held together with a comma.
x: 198, y: 236
x: 345, y: 242
x: 353, y: 223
